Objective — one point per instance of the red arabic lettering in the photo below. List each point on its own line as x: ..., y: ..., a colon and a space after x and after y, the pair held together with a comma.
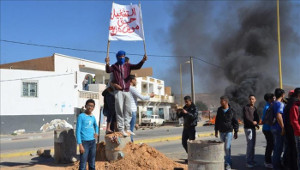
x: 122, y: 13
x: 125, y: 29
x: 121, y: 22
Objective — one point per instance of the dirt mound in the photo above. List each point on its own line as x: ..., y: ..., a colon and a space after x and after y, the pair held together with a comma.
x: 138, y: 157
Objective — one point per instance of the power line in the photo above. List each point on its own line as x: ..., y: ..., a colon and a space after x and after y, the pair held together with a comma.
x: 56, y: 75
x: 100, y: 51
x: 208, y: 63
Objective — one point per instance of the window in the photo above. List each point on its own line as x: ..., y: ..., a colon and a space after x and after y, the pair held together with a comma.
x: 29, y: 89
x: 161, y: 113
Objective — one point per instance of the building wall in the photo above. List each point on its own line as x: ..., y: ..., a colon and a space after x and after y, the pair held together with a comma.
x: 55, y: 93
x: 42, y: 64
x: 58, y: 94
x: 81, y: 68
x: 149, y: 84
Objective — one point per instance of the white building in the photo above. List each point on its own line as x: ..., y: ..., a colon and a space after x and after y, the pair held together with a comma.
x: 37, y: 91
x: 160, y: 104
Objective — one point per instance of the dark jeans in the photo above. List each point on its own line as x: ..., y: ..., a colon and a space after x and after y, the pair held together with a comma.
x: 88, y: 155
x: 132, y: 124
x: 251, y: 140
x: 270, y: 146
x: 188, y: 134
x: 290, y: 152
x: 227, y: 138
x: 297, y: 141
x: 278, y: 148
x: 111, y: 115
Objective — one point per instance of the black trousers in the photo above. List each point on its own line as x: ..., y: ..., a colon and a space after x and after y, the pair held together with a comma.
x: 290, y: 155
x: 188, y: 134
x: 270, y: 146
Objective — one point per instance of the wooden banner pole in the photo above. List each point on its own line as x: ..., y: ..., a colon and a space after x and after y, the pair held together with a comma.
x: 107, y: 50
x: 142, y: 28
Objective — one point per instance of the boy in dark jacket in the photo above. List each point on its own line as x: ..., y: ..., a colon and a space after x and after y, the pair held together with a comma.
x: 225, y: 123
x: 251, y: 120
x: 190, y: 117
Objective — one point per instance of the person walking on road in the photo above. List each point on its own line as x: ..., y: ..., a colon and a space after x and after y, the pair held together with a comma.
x: 226, y: 122
x: 266, y: 129
x: 190, y: 119
x: 251, y: 120
x: 278, y: 128
x: 295, y: 121
x: 121, y: 72
x: 134, y: 96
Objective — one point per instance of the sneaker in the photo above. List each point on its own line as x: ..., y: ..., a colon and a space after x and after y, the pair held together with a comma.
x: 227, y: 167
x: 130, y: 132
x: 124, y: 133
x: 268, y: 165
x: 249, y: 165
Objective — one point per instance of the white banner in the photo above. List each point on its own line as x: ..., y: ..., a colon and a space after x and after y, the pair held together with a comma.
x: 126, y: 23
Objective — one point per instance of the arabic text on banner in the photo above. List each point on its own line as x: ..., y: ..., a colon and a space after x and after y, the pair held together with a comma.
x: 126, y: 23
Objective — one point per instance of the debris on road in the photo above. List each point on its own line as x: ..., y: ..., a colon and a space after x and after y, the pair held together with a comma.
x: 18, y: 132
x: 56, y: 124
x: 44, y: 153
x: 137, y: 156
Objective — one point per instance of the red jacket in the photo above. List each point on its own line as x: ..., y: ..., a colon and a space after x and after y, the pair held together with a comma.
x: 122, y: 72
x: 295, y: 117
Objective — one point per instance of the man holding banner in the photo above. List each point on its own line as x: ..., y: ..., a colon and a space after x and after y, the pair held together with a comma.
x: 121, y: 72
x: 126, y: 25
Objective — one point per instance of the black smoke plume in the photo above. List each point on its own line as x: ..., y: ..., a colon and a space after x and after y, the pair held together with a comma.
x: 241, y: 37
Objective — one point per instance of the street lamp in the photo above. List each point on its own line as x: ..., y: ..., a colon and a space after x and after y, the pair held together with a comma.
x: 181, y: 97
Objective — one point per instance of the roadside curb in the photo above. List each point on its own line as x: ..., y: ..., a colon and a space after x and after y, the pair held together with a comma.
x: 163, y: 139
x: 22, y: 138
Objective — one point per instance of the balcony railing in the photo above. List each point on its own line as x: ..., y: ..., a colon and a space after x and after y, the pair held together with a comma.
x: 159, y: 98
x: 88, y: 94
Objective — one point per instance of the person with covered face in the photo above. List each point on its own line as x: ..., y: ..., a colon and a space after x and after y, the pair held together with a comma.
x: 121, y: 72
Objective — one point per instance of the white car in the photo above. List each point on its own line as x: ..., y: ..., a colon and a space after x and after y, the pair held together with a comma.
x: 153, y: 120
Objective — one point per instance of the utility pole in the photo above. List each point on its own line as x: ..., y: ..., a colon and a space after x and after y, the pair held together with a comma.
x: 279, y: 47
x: 181, y: 97
x: 192, y: 80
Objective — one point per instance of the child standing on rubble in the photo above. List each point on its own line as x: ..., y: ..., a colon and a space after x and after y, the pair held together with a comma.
x: 86, y: 133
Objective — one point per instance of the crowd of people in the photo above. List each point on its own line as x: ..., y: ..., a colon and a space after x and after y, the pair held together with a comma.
x: 120, y: 107
x: 280, y: 118
x: 281, y: 128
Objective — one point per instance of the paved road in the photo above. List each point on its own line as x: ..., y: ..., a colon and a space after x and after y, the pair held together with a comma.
x: 175, y: 151
x: 39, y: 140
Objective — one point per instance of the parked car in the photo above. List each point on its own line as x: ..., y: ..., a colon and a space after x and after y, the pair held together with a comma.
x: 153, y: 120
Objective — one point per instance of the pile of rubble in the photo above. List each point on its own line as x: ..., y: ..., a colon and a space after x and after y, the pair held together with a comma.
x: 137, y: 156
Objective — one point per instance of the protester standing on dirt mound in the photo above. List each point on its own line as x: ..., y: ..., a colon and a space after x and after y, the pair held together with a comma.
x: 121, y: 71
x: 86, y: 133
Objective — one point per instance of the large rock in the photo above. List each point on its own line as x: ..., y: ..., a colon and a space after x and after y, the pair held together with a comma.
x: 114, y: 145
x: 64, y: 146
